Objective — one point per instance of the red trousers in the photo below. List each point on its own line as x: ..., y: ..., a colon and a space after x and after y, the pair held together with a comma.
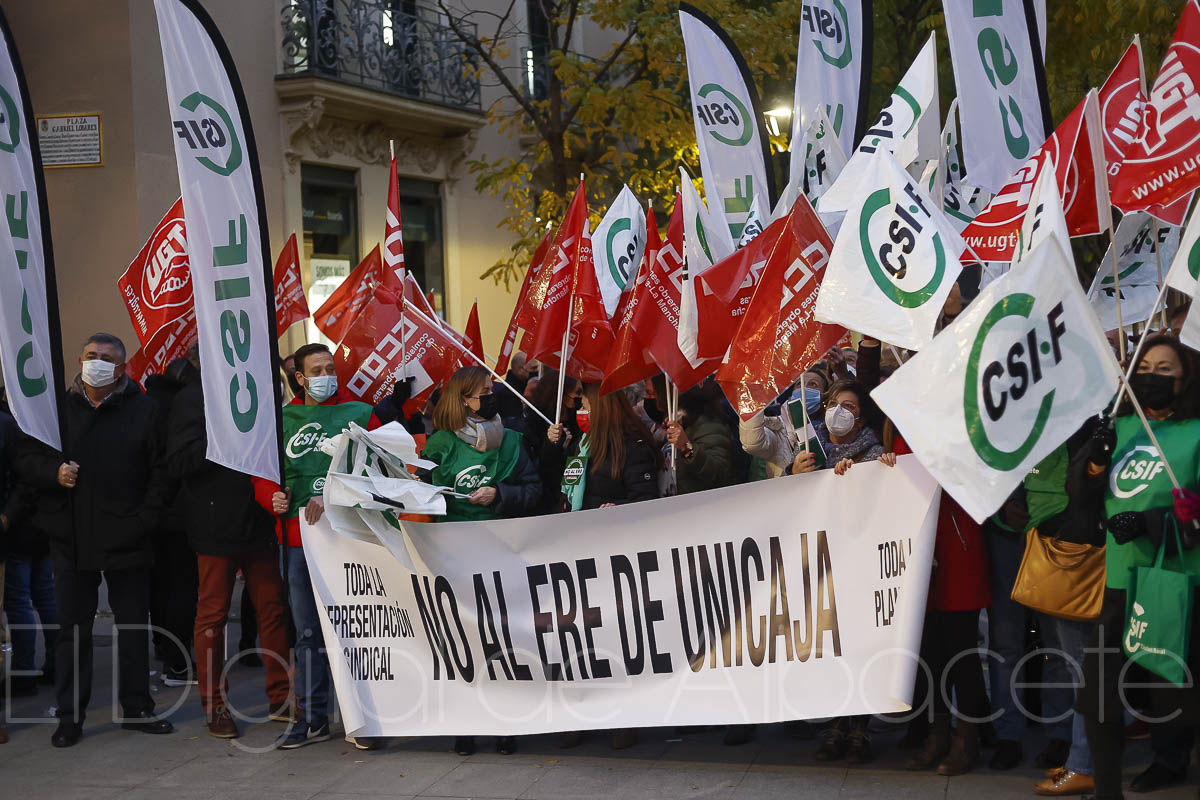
x: 217, y: 574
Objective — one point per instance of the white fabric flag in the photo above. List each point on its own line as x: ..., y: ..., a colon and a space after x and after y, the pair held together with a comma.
x: 704, y: 244
x: 1185, y: 266
x: 1004, y: 108
x: 894, y: 262
x: 1140, y: 241
x: 755, y: 223
x: 1019, y: 370
x: 833, y: 70
x: 1045, y: 218
x: 227, y: 240
x: 617, y: 243
x: 909, y: 127
x: 29, y: 337
x: 734, y: 149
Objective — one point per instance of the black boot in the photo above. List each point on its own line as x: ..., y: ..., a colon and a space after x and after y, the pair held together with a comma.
x: 964, y: 750
x: 935, y: 746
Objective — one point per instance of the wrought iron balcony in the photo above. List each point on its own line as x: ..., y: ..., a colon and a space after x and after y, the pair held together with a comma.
x: 392, y: 46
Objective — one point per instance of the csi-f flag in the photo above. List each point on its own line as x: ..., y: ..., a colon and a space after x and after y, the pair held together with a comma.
x: 1015, y: 375
x: 227, y: 240
x: 735, y: 153
x: 833, y: 71
x: 894, y: 261
x: 1141, y: 244
x: 617, y: 245
x: 1003, y: 104
x: 909, y: 127
x: 29, y: 332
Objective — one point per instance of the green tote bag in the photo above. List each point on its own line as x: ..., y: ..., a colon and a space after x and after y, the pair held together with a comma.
x: 1159, y: 610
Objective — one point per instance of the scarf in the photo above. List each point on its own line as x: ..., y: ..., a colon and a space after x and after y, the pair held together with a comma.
x: 482, y: 434
x: 854, y: 449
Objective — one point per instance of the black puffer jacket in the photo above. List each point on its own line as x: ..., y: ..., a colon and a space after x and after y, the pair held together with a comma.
x: 108, y: 520
x: 219, y: 511
x: 636, y: 481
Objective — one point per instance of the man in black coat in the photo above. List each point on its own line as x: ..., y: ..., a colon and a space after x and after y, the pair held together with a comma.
x: 101, y: 500
x: 229, y: 531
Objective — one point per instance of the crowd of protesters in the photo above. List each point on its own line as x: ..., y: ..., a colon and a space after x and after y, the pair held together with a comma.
x: 133, y: 502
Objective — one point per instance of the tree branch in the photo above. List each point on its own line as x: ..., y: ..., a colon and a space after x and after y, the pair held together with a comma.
x: 569, y: 116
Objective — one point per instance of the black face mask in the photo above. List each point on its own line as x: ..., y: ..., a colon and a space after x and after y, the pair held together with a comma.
x: 489, y: 406
x: 653, y: 411
x: 1153, y: 390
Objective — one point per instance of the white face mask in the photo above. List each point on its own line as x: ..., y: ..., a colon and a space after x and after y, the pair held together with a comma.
x: 839, y: 421
x: 321, y: 387
x: 97, y: 373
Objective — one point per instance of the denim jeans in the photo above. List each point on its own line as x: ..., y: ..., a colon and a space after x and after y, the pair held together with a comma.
x: 311, y: 677
x: 1006, y: 635
x: 28, y: 602
x: 1066, y: 667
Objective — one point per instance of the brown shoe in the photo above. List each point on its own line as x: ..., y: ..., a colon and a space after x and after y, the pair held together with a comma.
x: 964, y: 750
x: 282, y: 713
x: 221, y: 724
x: 1066, y: 783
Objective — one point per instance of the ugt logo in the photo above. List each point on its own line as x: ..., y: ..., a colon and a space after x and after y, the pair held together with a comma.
x: 1027, y: 360
x: 833, y: 28
x: 208, y: 130
x: 897, y: 236
x: 10, y: 123
x: 1173, y: 100
x: 724, y: 115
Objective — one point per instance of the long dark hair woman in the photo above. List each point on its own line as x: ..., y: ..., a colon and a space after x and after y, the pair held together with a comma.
x: 1143, y: 513
x: 545, y: 399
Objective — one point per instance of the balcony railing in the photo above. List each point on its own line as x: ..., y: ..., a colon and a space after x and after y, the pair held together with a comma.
x: 391, y: 46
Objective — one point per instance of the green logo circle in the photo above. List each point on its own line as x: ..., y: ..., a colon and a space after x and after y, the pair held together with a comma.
x: 733, y: 111
x: 208, y: 134
x: 10, y: 124
x: 908, y: 299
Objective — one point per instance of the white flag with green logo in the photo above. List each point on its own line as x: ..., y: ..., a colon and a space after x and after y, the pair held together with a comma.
x: 755, y: 223
x: 909, y: 127
x: 1019, y: 370
x: 894, y: 261
x: 30, y: 345
x: 1044, y: 218
x: 730, y: 131
x: 1139, y: 242
x: 617, y: 245
x: 833, y: 70
x: 997, y: 59
x: 227, y: 240
x: 1185, y: 266
x: 703, y: 245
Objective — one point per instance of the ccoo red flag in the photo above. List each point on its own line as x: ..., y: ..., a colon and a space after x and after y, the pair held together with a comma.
x: 290, y: 304
x: 1163, y: 163
x: 778, y: 339
x: 993, y: 234
x: 393, y: 236
x: 337, y: 314
x: 630, y: 362
x: 510, y: 336
x: 157, y: 286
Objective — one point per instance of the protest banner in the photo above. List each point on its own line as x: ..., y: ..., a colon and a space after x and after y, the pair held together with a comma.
x: 776, y: 600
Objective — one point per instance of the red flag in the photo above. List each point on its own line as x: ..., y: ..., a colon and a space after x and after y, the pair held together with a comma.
x: 630, y: 362
x: 510, y: 336
x: 431, y: 301
x: 724, y: 290
x: 369, y: 357
x: 393, y: 237
x: 157, y: 286
x: 571, y: 277
x: 656, y: 319
x: 337, y: 314
x: 778, y: 339
x: 290, y: 303
x: 473, y: 335
x: 1163, y: 162
x: 1079, y: 168
x: 166, y: 345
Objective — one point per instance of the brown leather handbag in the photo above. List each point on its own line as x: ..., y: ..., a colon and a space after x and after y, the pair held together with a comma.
x: 1062, y: 579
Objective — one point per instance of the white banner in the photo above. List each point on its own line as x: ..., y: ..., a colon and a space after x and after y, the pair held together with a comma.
x: 833, y: 71
x: 617, y: 245
x: 1144, y: 248
x: 28, y: 346
x: 227, y: 240
x: 734, y: 150
x: 998, y: 70
x: 1009, y: 380
x: 769, y: 601
x: 894, y: 262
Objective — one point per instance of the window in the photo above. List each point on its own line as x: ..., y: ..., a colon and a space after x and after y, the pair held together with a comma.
x: 329, y: 198
x: 421, y: 218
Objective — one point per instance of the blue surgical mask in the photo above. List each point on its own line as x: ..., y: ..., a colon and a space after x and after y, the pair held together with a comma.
x: 812, y: 401
x: 321, y: 387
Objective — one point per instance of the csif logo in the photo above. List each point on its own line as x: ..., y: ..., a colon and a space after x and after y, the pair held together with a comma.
x: 902, y: 112
x: 208, y: 132
x: 621, y: 251
x: 305, y: 440
x: 471, y: 478
x: 1133, y: 473
x: 1004, y: 382
x: 1002, y: 68
x: 832, y: 27
x: 10, y: 122
x: 897, y: 236
x: 724, y: 115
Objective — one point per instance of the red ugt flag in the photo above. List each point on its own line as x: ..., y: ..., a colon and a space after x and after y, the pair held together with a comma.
x: 290, y: 304
x: 157, y: 286
x: 337, y: 314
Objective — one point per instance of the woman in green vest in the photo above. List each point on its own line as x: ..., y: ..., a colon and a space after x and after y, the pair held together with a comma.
x: 478, y: 457
x: 1142, y: 512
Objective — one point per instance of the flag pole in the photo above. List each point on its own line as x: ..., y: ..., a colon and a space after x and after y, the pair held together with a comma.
x: 1158, y: 261
x: 1124, y: 346
x: 566, y: 339
x: 1137, y: 351
x: 403, y: 327
x: 804, y: 419
x: 520, y: 396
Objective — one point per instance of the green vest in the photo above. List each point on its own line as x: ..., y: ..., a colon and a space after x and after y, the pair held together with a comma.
x: 1138, y: 481
x: 465, y: 469
x: 1046, y: 487
x: 304, y: 428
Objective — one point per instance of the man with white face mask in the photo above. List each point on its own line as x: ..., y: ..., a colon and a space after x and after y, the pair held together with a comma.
x: 101, y: 500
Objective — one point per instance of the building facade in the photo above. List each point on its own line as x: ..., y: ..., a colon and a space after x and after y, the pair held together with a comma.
x: 332, y: 86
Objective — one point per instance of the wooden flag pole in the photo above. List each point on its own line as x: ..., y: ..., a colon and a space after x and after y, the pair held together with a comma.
x: 1158, y: 262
